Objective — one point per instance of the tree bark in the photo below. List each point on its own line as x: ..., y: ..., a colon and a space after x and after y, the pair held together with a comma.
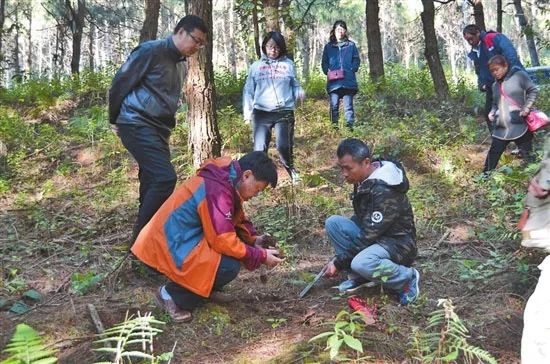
x: 28, y: 12
x: 527, y: 30
x: 271, y: 15
x: 77, y: 27
x: 2, y: 19
x: 150, y: 24
x: 204, y: 137
x: 499, y: 16
x: 431, y: 51
x: 374, y: 39
x: 16, y: 64
x: 232, y: 43
x: 479, y: 15
x: 91, y: 40
x: 256, y: 29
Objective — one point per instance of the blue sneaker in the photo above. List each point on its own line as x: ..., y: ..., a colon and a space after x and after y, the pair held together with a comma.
x: 411, y: 291
x: 352, y: 285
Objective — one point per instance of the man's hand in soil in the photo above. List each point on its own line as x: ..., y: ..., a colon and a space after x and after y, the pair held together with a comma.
x: 272, y: 258
x: 266, y: 241
x: 331, y: 270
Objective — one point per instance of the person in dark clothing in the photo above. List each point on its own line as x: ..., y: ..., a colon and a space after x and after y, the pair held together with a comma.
x: 513, y: 97
x: 340, y: 53
x: 378, y: 243
x: 144, y: 96
x: 484, y: 46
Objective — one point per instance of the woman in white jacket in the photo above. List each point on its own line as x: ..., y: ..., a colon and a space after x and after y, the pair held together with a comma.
x: 269, y: 100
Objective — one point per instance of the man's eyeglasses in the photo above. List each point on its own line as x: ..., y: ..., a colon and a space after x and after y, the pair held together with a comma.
x: 272, y: 47
x: 197, y: 41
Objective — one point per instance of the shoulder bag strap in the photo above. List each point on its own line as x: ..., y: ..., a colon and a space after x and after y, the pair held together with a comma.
x: 508, y: 97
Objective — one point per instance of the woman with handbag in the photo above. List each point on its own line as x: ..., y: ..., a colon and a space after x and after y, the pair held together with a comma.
x: 269, y: 100
x: 513, y: 97
x: 340, y: 63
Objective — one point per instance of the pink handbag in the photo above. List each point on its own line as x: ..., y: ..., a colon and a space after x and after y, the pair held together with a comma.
x: 335, y: 74
x: 536, y: 120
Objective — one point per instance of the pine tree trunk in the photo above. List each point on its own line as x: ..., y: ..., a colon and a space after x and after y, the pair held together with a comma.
x: 2, y: 19
x: 479, y: 15
x: 306, y: 53
x: 91, y: 40
x: 232, y: 43
x: 374, y: 39
x: 77, y: 28
x: 527, y: 30
x: 204, y: 137
x: 29, y: 39
x: 271, y: 15
x: 499, y: 16
x: 431, y: 52
x: 256, y: 29
x: 16, y: 64
x: 150, y: 24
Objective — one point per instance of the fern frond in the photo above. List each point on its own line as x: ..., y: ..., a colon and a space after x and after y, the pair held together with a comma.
x: 26, y: 347
x: 483, y: 356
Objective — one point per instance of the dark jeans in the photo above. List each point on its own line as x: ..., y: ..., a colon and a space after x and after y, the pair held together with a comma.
x: 187, y: 300
x: 488, y: 107
x: 283, y: 123
x: 524, y: 143
x: 347, y: 96
x: 157, y: 177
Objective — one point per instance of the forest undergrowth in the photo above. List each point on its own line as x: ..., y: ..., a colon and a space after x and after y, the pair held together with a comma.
x: 68, y: 200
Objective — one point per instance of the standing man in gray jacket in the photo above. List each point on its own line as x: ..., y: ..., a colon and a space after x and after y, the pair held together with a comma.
x: 143, y: 99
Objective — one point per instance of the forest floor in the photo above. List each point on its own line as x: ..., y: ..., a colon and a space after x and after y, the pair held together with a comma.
x: 67, y: 222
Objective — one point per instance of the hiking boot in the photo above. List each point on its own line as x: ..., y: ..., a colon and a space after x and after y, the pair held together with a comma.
x: 353, y: 284
x: 221, y: 297
x: 411, y: 291
x: 170, y: 307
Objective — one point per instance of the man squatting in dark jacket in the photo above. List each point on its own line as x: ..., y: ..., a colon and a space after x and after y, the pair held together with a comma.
x: 485, y: 45
x: 378, y: 243
x: 143, y: 99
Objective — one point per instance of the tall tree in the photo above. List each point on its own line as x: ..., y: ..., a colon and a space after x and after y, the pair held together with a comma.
x: 374, y: 39
x: 271, y: 15
x: 2, y: 19
x: 150, y: 24
x: 204, y: 136
x: 76, y: 22
x: 499, y: 16
x: 256, y: 26
x: 431, y: 51
x: 527, y: 31
x: 479, y: 15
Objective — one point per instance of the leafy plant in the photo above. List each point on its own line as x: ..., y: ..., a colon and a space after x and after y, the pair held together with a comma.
x: 444, y: 340
x: 26, y: 347
x: 83, y: 282
x: 383, y: 272
x: 276, y: 321
x: 140, y: 330
x: 346, y: 327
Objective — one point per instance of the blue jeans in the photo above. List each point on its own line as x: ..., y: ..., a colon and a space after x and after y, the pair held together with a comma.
x: 342, y: 232
x: 187, y: 300
x: 347, y: 96
x: 157, y: 177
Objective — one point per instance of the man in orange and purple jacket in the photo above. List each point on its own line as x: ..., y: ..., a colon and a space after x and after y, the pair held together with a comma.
x: 200, y: 235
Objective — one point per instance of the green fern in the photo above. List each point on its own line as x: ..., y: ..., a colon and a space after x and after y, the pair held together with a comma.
x: 444, y: 340
x: 121, y: 340
x: 27, y: 347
